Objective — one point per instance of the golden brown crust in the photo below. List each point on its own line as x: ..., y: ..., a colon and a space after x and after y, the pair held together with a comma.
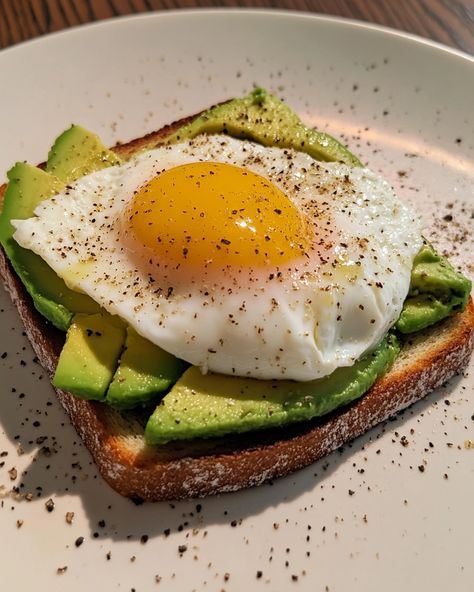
x: 152, y: 139
x: 207, y: 467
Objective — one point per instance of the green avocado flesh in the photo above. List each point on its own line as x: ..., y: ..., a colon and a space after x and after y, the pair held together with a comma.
x: 102, y: 360
x: 436, y: 291
x: 265, y: 119
x: 144, y: 371
x: 78, y: 152
x: 27, y: 187
x: 203, y: 406
x: 89, y: 357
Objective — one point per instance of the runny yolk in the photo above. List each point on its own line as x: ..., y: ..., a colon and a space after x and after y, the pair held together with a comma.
x: 215, y: 214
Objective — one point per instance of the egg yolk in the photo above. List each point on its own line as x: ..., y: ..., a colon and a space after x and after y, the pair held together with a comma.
x: 215, y: 214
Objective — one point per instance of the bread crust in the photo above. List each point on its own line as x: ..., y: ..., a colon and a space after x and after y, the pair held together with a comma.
x: 205, y: 467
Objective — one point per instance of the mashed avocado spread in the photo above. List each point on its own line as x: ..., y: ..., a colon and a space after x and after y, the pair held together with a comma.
x: 202, y: 405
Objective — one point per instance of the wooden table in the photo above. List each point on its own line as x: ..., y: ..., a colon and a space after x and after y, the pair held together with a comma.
x: 448, y: 21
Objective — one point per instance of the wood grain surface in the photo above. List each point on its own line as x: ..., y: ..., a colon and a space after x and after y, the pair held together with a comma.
x: 448, y: 21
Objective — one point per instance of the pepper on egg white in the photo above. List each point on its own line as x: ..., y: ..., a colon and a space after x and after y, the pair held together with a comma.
x: 238, y: 258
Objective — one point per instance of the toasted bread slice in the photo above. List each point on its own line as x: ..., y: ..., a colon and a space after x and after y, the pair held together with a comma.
x: 204, y: 467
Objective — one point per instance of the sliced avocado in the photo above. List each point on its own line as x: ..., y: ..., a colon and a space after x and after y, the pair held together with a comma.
x: 436, y: 291
x: 27, y: 187
x: 145, y: 370
x: 78, y: 152
x: 90, y: 355
x: 203, y: 406
x: 263, y: 118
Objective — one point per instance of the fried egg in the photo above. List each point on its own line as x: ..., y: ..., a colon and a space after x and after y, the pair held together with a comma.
x: 238, y: 258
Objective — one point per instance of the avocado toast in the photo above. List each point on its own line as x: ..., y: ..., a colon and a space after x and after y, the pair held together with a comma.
x: 206, y: 465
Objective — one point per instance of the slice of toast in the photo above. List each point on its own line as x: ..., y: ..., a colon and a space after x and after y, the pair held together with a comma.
x: 204, y: 467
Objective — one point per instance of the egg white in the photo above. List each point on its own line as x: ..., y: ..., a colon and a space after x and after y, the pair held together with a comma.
x: 299, y: 322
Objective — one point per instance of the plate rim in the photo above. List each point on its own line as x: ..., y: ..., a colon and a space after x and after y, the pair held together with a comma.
x: 416, y: 40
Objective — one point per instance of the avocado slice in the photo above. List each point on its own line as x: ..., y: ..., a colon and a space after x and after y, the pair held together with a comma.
x: 145, y: 371
x: 27, y: 187
x: 78, y: 152
x: 89, y: 357
x: 75, y: 152
x: 263, y: 118
x: 209, y: 405
x: 436, y: 291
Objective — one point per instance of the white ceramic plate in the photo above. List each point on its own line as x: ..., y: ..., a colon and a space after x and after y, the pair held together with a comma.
x: 366, y: 518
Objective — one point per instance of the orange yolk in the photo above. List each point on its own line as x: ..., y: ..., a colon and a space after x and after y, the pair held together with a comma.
x: 213, y: 215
